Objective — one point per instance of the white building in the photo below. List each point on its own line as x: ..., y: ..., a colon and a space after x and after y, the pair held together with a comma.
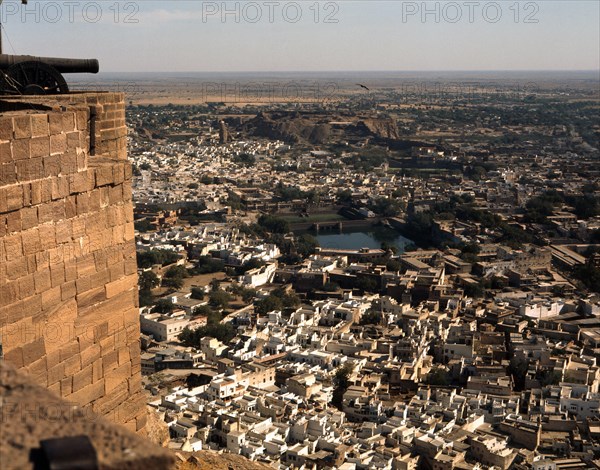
x: 162, y: 327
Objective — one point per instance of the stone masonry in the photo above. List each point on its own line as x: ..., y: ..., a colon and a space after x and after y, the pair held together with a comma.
x: 68, y: 281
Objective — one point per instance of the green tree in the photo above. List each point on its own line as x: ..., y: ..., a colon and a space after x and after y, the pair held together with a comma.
x: 341, y: 382
x: 419, y: 226
x: 172, y: 282
x: 222, y: 332
x: 207, y: 265
x: 289, y: 299
x: 215, y: 285
x: 147, y: 259
x: 474, y: 290
x: 143, y: 225
x: 393, y: 265
x: 476, y: 173
x: 273, y: 224
x: 438, y: 376
x: 206, y: 311
x: 344, y: 196
x: 197, y: 293
x: 268, y: 304
x: 252, y: 263
x: 176, y: 271
x: 371, y: 317
x: 306, y: 245
x: 148, y: 280
x: 163, y: 306
x: 386, y: 207
x: 174, y: 277
x: 589, y: 275
x: 219, y: 299
x: 549, y: 377
x: 248, y: 295
x: 145, y: 298
x: 366, y: 284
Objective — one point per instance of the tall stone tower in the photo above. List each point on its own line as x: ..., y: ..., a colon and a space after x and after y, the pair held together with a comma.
x: 68, y: 281
x: 223, y: 132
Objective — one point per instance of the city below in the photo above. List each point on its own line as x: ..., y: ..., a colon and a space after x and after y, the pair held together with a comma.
x: 403, y: 274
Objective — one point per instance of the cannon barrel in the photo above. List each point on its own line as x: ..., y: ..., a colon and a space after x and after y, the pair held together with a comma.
x: 61, y: 65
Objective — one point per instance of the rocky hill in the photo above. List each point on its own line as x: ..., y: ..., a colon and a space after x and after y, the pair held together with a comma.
x: 319, y: 128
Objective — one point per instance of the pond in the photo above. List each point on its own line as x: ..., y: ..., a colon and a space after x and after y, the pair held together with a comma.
x: 367, y: 238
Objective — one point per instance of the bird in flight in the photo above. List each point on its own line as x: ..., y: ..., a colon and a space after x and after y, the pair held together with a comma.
x: 363, y: 86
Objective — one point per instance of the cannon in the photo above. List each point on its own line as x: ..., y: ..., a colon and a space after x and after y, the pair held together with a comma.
x: 30, y: 75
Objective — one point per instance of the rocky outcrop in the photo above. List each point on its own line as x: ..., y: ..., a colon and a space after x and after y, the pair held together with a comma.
x: 157, y: 431
x: 315, y: 128
x: 280, y: 126
x: 207, y: 460
x: 35, y: 414
x: 381, y: 128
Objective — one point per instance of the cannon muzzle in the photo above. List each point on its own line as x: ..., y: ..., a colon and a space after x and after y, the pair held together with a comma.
x: 61, y: 65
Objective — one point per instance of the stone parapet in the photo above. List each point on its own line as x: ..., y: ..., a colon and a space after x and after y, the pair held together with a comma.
x: 68, y: 277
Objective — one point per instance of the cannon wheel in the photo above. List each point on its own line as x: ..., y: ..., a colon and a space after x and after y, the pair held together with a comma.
x: 37, y: 78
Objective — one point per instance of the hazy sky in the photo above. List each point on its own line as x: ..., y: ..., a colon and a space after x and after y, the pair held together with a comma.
x: 305, y: 35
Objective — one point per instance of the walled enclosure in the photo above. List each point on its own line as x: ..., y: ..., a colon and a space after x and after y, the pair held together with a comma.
x: 68, y: 279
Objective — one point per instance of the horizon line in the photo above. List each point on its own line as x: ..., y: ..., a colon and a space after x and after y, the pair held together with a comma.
x: 358, y: 71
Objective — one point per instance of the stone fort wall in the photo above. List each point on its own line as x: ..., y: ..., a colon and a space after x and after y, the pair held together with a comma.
x: 68, y: 278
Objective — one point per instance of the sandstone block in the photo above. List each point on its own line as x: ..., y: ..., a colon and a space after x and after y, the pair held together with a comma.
x: 68, y: 350
x: 42, y: 280
x: 39, y: 125
x: 120, y: 285
x: 29, y: 217
x: 6, y: 128
x: 8, y: 173
x: 30, y: 169
x: 16, y: 268
x: 68, y: 290
x: 39, y: 146
x: 117, y: 376
x: 13, y: 222
x: 58, y: 144
x: 31, y: 241
x: 20, y: 149
x: 66, y: 386
x: 22, y: 127
x: 47, y: 235
x: 90, y: 298
x: 15, y: 357
x: 90, y: 354
x: 56, y: 374
x: 11, y: 198
x: 55, y: 122
x: 72, y: 365
x: 82, y: 379
x: 27, y: 286
x: 38, y: 370
x: 57, y: 274
x: 109, y: 361
x: 34, y: 351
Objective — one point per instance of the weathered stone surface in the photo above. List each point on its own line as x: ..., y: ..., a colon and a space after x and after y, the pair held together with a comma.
x: 36, y: 414
x: 68, y: 280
